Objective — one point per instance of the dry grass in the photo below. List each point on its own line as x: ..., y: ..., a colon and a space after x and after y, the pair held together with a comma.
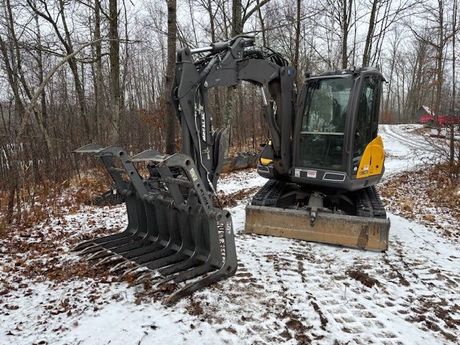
x: 427, y: 195
x: 49, y: 199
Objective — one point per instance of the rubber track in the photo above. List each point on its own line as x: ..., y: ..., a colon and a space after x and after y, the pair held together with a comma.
x: 269, y: 194
x: 368, y: 202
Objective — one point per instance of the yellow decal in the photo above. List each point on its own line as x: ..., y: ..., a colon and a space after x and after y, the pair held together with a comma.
x: 265, y: 161
x: 372, y: 159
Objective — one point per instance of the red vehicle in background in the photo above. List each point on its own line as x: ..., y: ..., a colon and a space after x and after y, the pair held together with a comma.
x: 441, y: 120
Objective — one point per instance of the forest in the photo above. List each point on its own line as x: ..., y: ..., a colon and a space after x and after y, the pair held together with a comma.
x: 80, y: 71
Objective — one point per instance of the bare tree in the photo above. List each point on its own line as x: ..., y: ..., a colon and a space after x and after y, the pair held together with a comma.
x: 114, y: 56
x: 170, y: 112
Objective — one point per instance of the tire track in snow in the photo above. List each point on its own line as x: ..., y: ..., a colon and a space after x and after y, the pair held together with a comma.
x: 285, y: 282
x: 413, y: 144
x: 415, y: 141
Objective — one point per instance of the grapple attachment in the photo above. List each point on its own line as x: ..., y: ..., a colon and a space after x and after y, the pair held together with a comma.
x: 174, y: 232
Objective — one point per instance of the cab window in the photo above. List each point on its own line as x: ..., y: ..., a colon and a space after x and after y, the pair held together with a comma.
x: 323, y: 123
x: 367, y: 116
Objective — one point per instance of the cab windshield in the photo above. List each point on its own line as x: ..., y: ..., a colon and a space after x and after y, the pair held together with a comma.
x: 323, y: 123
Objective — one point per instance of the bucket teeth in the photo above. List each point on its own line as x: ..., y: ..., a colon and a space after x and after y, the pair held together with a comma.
x: 174, y: 233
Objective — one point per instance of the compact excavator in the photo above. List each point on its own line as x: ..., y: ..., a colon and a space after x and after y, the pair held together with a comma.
x: 322, y: 161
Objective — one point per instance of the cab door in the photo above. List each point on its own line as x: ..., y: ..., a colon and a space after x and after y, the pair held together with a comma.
x: 368, y: 154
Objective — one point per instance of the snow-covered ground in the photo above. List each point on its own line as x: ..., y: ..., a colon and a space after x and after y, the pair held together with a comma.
x: 285, y: 291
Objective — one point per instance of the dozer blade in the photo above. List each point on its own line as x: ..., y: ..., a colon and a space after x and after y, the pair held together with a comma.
x: 338, y: 229
x: 173, y: 231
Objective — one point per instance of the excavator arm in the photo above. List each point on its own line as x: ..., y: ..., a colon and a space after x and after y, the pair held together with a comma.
x: 228, y: 64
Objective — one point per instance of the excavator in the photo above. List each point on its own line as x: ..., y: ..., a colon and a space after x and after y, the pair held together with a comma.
x: 322, y: 161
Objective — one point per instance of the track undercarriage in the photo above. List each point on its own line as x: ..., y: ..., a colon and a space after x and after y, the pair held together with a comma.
x: 352, y: 219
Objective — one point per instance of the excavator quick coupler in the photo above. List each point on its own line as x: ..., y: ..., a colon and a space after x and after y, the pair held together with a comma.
x: 174, y: 234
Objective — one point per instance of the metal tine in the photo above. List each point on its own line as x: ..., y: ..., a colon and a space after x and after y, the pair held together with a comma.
x: 135, y: 191
x: 130, y: 271
x: 137, y: 248
x: 136, y: 253
x: 153, y: 239
x: 213, y: 277
x: 125, y: 233
x: 150, y: 241
x: 192, y: 261
x: 120, y: 242
x: 155, y: 242
x: 176, y: 249
x: 88, y: 244
x: 146, y: 258
x: 135, y: 233
x: 95, y: 256
x: 109, y: 259
x: 144, y: 276
x: 91, y: 250
x: 134, y: 245
x: 177, y: 257
x: 171, y: 272
x: 120, y: 266
x: 193, y: 272
x: 187, y: 274
x: 192, y: 287
x: 100, y: 255
x: 173, y: 246
x: 142, y: 250
x: 227, y: 269
x: 167, y: 260
x: 162, y: 250
x: 83, y: 245
x: 107, y: 241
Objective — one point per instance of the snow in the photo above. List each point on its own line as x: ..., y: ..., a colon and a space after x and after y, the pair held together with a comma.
x: 285, y: 291
x: 404, y: 151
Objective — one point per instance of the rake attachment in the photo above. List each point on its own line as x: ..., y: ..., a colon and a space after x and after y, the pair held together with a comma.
x: 173, y: 228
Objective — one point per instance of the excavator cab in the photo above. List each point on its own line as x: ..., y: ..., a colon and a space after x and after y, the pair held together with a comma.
x: 335, y: 136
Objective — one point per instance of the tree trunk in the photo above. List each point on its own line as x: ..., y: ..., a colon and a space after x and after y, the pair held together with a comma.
x: 74, y: 68
x: 452, y: 128
x: 98, y: 84
x: 114, y: 53
x: 370, y: 34
x: 262, y: 26
x: 170, y: 111
x: 346, y: 13
x: 297, y: 41
x: 237, y: 21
